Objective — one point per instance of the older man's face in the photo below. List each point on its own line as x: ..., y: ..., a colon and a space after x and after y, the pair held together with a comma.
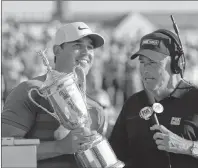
x: 155, y: 75
x: 79, y: 52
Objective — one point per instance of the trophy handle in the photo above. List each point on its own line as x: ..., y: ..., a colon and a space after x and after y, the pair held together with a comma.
x: 81, y: 79
x: 103, y: 123
x: 43, y: 108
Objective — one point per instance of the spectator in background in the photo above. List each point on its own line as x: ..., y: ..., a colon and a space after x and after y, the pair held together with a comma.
x: 95, y: 92
x: 2, y: 91
x: 12, y: 74
x: 192, y: 65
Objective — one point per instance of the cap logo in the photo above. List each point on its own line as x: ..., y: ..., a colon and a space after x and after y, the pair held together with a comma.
x: 81, y: 28
x: 150, y: 41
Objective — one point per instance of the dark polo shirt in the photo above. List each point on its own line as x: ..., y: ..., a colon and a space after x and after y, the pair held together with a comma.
x: 133, y: 141
x: 21, y: 113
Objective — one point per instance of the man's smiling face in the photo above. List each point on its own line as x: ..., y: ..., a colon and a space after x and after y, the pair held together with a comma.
x: 79, y: 52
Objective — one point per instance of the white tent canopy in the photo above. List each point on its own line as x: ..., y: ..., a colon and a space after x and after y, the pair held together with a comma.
x: 132, y: 26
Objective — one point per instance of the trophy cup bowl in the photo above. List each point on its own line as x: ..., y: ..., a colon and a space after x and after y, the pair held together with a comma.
x: 63, y: 95
x: 70, y: 109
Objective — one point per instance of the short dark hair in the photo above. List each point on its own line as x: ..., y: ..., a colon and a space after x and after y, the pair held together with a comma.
x: 62, y: 45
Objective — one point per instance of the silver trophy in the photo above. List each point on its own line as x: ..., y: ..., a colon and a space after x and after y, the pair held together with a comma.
x: 70, y: 109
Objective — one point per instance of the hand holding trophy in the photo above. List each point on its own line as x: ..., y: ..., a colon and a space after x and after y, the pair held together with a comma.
x: 70, y: 109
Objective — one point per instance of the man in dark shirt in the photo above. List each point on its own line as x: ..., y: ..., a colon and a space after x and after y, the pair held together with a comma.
x: 173, y: 142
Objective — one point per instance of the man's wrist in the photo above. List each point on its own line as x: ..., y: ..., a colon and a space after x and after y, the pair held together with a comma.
x: 194, y: 149
x: 187, y: 145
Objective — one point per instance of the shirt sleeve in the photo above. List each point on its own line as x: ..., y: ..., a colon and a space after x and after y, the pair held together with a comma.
x: 18, y: 109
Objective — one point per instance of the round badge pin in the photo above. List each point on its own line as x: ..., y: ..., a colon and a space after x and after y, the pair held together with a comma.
x: 146, y: 113
x: 158, y: 108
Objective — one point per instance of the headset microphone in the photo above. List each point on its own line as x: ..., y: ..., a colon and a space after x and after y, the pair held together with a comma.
x: 176, y: 29
x: 180, y: 47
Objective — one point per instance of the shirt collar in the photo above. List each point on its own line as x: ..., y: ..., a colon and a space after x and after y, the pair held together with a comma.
x: 182, y: 88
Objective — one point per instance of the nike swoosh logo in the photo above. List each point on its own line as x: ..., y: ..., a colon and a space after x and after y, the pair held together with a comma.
x: 81, y: 28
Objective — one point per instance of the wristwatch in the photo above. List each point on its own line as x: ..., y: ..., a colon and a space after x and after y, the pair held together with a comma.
x: 194, y: 149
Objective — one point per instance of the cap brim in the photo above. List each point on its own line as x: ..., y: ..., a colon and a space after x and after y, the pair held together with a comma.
x: 97, y: 39
x: 153, y: 55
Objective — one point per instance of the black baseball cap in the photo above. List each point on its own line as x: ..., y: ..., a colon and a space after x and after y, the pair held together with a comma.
x: 157, y: 45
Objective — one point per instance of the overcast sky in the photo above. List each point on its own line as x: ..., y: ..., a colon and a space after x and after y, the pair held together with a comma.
x: 133, y: 5
x: 100, y: 6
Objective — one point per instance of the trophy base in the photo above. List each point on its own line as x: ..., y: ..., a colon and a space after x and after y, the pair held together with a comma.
x: 97, y: 154
x: 119, y: 164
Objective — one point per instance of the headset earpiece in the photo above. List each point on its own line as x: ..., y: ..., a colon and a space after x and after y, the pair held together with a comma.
x: 178, y: 59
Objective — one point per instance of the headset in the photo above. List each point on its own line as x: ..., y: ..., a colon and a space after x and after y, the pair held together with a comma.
x: 177, y: 57
x: 178, y: 62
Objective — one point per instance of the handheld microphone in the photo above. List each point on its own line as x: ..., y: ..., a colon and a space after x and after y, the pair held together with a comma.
x: 146, y: 113
x: 157, y: 108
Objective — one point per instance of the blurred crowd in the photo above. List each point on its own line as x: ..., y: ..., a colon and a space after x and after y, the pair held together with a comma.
x: 112, y: 79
